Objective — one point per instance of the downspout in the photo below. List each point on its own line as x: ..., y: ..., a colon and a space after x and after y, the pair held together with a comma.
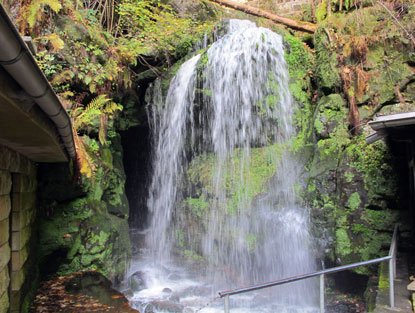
x: 17, y: 60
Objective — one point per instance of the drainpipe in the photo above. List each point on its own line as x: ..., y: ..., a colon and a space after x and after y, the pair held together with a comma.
x: 17, y: 60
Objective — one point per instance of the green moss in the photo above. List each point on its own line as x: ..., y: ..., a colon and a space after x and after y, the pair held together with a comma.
x: 318, y: 125
x: 106, y: 157
x: 311, y: 186
x: 343, y: 243
x: 383, y: 276
x: 180, y: 238
x: 326, y: 68
x: 255, y: 171
x: 354, y: 201
x: 374, y: 162
x: 251, y: 240
x: 349, y: 177
x: 300, y: 63
x: 192, y: 256
x: 75, y: 247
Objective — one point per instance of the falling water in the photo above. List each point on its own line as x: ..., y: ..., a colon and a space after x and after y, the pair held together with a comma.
x: 225, y: 109
x: 169, y: 133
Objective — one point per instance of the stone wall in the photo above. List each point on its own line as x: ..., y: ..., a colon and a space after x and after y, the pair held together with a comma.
x: 17, y: 214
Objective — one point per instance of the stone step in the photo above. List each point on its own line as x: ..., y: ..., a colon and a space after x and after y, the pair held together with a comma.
x: 402, y: 294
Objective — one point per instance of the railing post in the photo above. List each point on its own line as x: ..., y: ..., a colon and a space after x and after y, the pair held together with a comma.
x: 226, y: 304
x: 322, y: 293
x: 394, y: 258
x: 391, y: 282
x: 394, y: 264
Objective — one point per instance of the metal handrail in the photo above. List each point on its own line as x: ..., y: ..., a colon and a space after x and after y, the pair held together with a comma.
x: 392, y: 273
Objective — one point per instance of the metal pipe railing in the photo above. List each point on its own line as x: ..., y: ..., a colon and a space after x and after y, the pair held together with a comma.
x: 392, y: 273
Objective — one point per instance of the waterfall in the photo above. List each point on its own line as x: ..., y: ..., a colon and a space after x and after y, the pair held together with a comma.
x: 169, y: 134
x: 225, y: 110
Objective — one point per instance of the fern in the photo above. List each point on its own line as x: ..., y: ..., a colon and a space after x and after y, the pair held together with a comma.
x: 63, y: 77
x: 83, y: 117
x: 33, y: 11
x: 100, y: 107
x: 85, y: 165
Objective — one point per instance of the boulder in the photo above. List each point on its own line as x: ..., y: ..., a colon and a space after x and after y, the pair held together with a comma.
x: 137, y: 281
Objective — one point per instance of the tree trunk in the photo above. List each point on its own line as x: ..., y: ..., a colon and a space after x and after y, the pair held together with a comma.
x: 303, y: 26
x: 328, y: 7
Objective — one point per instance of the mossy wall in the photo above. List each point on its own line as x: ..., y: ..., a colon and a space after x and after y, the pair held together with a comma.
x: 86, y: 225
x: 360, y: 58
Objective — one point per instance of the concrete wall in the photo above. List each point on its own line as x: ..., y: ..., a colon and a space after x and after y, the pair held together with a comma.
x: 17, y: 215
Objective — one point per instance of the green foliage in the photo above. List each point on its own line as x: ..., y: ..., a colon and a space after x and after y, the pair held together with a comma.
x: 321, y: 11
x: 47, y: 63
x: 155, y: 25
x: 198, y: 206
x: 34, y: 11
x: 95, y: 115
x: 98, y: 106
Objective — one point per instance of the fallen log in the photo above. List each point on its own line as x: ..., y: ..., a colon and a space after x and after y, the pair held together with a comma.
x: 303, y: 26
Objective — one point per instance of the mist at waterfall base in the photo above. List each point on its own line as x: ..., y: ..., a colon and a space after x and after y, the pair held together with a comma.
x: 223, y: 107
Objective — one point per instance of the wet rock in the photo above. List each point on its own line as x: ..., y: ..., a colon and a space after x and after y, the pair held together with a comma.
x: 167, y: 290
x: 167, y: 306
x: 342, y: 307
x: 174, y: 276
x: 166, y: 270
x: 175, y: 297
x: 196, y: 291
x: 137, y: 281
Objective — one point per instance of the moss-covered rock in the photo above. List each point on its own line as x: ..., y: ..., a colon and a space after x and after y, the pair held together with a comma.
x: 326, y: 69
x: 352, y: 186
x: 90, y: 229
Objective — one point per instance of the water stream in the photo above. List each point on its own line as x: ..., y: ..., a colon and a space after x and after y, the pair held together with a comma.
x: 223, y: 195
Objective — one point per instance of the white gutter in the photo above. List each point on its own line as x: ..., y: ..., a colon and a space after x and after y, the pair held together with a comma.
x: 382, y: 123
x: 17, y: 60
x: 376, y: 136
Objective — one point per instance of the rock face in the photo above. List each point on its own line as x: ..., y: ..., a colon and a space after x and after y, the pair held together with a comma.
x: 85, y: 227
x: 352, y: 187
